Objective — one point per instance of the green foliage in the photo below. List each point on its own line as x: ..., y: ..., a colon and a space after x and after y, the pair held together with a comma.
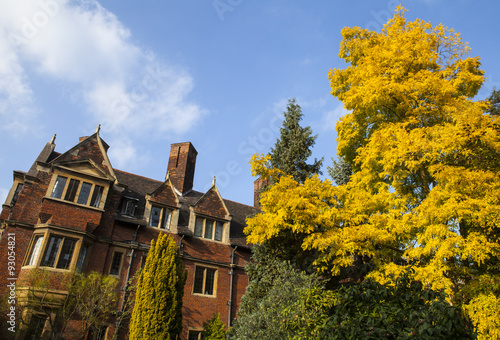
x: 157, y: 312
x: 340, y: 172
x: 271, y: 300
x: 214, y: 329
x: 370, y: 310
x: 95, y: 299
x: 90, y: 298
x: 494, y: 103
x: 293, y: 148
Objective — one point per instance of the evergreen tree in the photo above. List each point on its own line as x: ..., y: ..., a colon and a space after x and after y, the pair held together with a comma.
x: 494, y: 106
x: 270, y: 301
x: 214, y: 329
x: 291, y: 151
x: 157, y: 311
x: 340, y: 172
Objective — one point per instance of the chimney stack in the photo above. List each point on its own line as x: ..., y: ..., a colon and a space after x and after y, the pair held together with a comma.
x: 258, y: 185
x: 181, y: 164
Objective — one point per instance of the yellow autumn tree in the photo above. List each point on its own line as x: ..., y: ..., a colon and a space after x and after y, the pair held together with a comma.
x: 425, y: 190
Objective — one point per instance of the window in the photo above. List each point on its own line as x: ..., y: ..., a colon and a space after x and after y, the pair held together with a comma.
x: 194, y: 335
x: 36, y: 327
x: 161, y: 217
x: 204, y: 280
x: 59, y: 187
x: 81, y: 259
x: 116, y: 264
x: 59, y: 252
x: 209, y: 229
x: 16, y: 193
x: 75, y: 189
x: 96, y: 196
x: 128, y: 206
x: 37, y: 244
x: 84, y: 193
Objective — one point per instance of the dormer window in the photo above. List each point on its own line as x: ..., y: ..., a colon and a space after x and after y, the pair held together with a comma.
x: 128, y: 206
x: 208, y: 228
x: 161, y: 217
x: 72, y: 189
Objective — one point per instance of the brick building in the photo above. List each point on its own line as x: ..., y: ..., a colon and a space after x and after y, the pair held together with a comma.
x: 74, y: 211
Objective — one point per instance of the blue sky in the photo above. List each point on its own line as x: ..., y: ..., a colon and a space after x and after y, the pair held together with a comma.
x: 217, y: 73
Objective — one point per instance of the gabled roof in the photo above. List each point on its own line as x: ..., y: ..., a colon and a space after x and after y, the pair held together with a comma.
x: 141, y: 186
x: 92, y: 148
x: 165, y: 193
x: 212, y: 204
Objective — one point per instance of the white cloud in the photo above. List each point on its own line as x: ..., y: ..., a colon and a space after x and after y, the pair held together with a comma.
x: 125, y: 87
x: 331, y: 118
x: 16, y: 98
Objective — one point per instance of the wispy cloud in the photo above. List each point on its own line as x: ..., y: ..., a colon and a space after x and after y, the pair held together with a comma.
x: 331, y: 118
x: 125, y: 87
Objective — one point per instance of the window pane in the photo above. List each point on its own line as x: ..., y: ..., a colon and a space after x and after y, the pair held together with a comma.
x: 37, y: 243
x: 59, y: 187
x: 51, y: 252
x: 198, y: 228
x: 115, y: 264
x: 194, y: 335
x: 209, y: 229
x: 83, y: 197
x: 82, y: 257
x: 35, y: 327
x: 72, y: 189
x: 168, y: 218
x: 154, y: 220
x: 209, y: 281
x: 66, y: 253
x: 16, y: 194
x: 218, y: 231
x: 128, y: 207
x: 198, y: 280
x: 96, y: 196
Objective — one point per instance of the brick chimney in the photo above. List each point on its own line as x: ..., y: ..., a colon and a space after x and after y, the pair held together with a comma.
x: 181, y: 164
x: 258, y: 185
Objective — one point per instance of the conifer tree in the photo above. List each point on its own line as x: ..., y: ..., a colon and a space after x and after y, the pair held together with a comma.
x: 214, y: 329
x: 291, y: 151
x: 157, y: 311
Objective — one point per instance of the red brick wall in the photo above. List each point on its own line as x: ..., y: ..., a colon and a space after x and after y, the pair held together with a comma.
x: 211, y: 205
x: 70, y: 215
x: 181, y: 165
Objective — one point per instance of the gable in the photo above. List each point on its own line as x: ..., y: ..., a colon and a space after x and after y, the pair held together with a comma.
x: 211, y: 204
x: 165, y: 194
x: 90, y: 149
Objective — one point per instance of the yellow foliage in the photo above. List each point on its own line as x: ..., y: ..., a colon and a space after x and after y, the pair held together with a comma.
x: 484, y: 311
x: 426, y: 182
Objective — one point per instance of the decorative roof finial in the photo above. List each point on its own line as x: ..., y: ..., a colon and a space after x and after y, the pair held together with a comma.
x: 52, y: 141
x: 213, y: 181
x: 98, y: 128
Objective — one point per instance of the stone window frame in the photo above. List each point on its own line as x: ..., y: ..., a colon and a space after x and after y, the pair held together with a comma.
x: 194, y: 333
x: 226, y: 224
x: 215, y: 282
x: 128, y: 206
x: 13, y: 192
x: 214, y: 222
x: 123, y: 253
x: 174, y: 215
x: 81, y: 178
x: 46, y: 235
